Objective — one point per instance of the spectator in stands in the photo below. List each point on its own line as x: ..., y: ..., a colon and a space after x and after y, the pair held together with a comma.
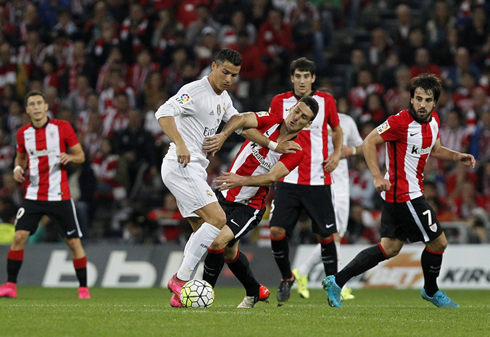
x: 479, y: 147
x: 374, y: 109
x: 140, y: 69
x: 456, y: 180
x: 105, y: 165
x: 8, y: 68
x: 116, y: 85
x: 78, y: 64
x: 30, y: 22
x: 66, y: 24
x: 31, y: 54
x: 479, y: 226
x: 223, y: 12
x: 252, y: 73
x: 260, y: 8
x: 7, y: 27
x: 453, y: 132
x: 365, y: 86
x: 423, y: 64
x: 361, y: 187
x: 6, y: 153
x: 304, y: 19
x: 207, y: 49
x: 174, y: 73
x: 49, y: 9
x: 357, y: 61
x: 362, y: 227
x: 416, y: 41
x: 116, y: 117
x: 91, y: 137
x: 275, y: 41
x: 170, y: 230
x: 400, y: 33
x: 92, y: 29
x: 101, y: 46
x: 136, y: 146
x: 203, y: 20
x: 379, y: 49
x: 52, y: 99
x: 467, y: 201
x: 77, y: 99
x: 474, y: 34
x: 445, y: 51
x: 228, y: 34
x: 439, y: 203
x: 11, y: 189
x: 135, y: 32
x: 154, y: 91
x: 386, y: 72
x: 462, y: 63
x: 439, y: 25
x: 396, y: 98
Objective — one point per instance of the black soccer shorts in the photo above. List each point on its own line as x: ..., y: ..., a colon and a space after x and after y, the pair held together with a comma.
x: 291, y: 199
x: 239, y: 217
x: 62, y: 214
x: 413, y: 220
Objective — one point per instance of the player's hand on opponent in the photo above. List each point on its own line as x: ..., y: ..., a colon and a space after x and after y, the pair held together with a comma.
x: 467, y: 159
x: 288, y: 147
x: 214, y: 143
x: 183, y: 154
x: 331, y: 162
x: 65, y: 158
x: 228, y: 181
x: 381, y: 184
x: 19, y: 174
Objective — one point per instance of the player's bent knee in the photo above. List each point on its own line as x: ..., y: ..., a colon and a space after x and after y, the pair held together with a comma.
x: 20, y: 238
x: 277, y: 232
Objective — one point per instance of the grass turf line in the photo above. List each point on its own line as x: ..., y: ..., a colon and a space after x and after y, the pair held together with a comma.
x: 146, y: 312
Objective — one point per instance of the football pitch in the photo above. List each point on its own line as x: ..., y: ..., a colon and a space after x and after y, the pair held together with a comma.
x: 146, y: 312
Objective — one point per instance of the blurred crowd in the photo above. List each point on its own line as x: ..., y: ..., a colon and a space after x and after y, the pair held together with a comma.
x: 106, y: 66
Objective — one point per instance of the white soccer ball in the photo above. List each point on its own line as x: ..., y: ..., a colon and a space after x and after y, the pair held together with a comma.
x: 197, y: 294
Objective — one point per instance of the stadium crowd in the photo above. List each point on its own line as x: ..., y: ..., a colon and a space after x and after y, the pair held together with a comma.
x: 106, y: 66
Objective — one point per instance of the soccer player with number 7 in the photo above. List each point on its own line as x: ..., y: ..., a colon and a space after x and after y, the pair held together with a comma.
x: 411, y: 136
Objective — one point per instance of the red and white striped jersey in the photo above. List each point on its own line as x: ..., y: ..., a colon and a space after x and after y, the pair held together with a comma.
x: 314, y: 138
x: 47, y: 177
x: 253, y: 160
x: 408, y: 146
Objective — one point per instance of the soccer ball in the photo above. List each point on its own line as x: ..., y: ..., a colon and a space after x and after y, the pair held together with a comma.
x: 197, y: 294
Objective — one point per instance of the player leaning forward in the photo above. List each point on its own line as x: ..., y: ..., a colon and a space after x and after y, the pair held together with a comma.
x: 244, y: 189
x: 190, y: 119
x: 411, y: 136
x: 43, y: 144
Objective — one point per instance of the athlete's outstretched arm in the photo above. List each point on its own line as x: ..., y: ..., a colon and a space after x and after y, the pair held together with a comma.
x: 231, y: 180
x: 370, y: 154
x: 443, y: 153
x: 167, y: 123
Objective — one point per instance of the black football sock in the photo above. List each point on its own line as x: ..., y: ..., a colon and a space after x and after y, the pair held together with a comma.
x: 431, y: 266
x: 81, y: 270
x: 365, y: 260
x: 213, y: 264
x: 240, y: 267
x: 280, y: 251
x: 329, y: 256
x: 14, y: 262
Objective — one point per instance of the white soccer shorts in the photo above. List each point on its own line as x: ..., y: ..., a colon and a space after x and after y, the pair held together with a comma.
x: 188, y: 185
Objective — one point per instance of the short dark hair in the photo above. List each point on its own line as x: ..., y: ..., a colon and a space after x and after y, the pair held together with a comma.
x: 427, y: 82
x: 229, y: 55
x: 303, y: 64
x: 34, y: 93
x: 312, y: 104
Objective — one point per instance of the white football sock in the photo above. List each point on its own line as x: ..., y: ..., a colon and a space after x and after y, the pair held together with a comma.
x: 195, y: 249
x: 340, y: 265
x: 314, y: 259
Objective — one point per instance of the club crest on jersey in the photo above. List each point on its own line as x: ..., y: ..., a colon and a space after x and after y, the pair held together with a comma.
x: 218, y: 110
x: 383, y: 127
x: 183, y: 99
x: 262, y: 114
x: 209, y: 193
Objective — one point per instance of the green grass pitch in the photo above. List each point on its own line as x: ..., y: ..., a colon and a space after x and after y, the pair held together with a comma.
x: 146, y: 312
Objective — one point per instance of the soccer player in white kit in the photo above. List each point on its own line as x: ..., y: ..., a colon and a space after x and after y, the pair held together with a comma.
x: 352, y: 145
x: 190, y: 119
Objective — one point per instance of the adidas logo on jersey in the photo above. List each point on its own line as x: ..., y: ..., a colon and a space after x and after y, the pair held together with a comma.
x: 211, y: 113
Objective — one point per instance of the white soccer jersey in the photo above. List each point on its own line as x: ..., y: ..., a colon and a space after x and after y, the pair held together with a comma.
x: 351, y: 137
x: 198, y: 112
